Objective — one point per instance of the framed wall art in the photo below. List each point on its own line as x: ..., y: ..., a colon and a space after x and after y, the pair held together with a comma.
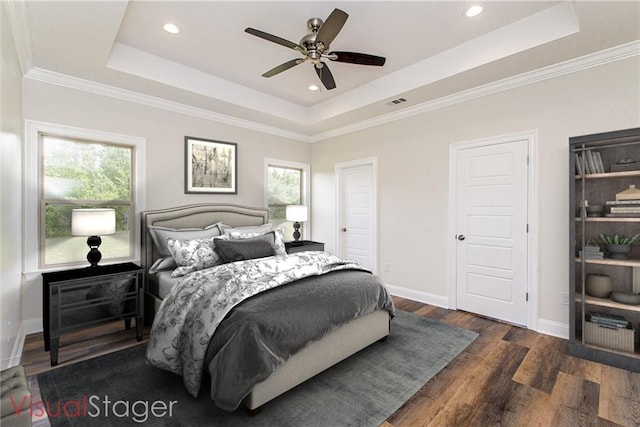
x: 211, y: 167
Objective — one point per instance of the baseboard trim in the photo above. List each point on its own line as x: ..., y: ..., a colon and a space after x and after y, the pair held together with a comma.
x: 420, y: 296
x: 29, y: 326
x: 32, y: 326
x: 16, y: 350
x: 553, y: 328
x: 547, y: 327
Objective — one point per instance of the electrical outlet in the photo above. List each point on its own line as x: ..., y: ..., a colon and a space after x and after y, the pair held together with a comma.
x: 387, y: 267
x: 565, y: 298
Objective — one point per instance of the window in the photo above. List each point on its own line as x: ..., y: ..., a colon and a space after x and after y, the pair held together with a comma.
x: 70, y: 168
x: 286, y: 184
x: 83, y: 174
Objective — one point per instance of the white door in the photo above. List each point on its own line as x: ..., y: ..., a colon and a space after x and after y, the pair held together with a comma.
x: 491, y: 228
x: 356, y: 218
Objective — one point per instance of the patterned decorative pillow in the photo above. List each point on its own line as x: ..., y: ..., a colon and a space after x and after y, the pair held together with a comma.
x: 193, y: 255
x: 159, y: 235
x: 278, y: 234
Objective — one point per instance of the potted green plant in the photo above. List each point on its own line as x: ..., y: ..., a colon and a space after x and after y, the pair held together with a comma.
x: 618, y: 247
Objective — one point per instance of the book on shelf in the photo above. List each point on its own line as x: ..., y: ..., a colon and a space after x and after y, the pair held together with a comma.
x: 611, y: 320
x: 623, y: 202
x: 588, y: 255
x: 579, y: 169
x: 622, y: 215
x: 592, y: 166
x: 598, y: 162
x: 625, y: 209
x: 583, y: 161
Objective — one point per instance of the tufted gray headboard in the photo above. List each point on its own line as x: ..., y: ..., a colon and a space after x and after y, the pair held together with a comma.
x: 194, y: 216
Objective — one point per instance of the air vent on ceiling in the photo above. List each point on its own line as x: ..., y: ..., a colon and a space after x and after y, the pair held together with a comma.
x: 397, y: 101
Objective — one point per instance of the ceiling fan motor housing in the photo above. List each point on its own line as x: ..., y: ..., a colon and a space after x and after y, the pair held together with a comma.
x: 314, y: 23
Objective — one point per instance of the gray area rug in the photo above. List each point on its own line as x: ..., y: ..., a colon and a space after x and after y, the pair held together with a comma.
x: 363, y: 390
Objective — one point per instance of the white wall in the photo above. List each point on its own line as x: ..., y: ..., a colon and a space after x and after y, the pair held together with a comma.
x: 413, y: 172
x: 10, y: 196
x: 164, y: 132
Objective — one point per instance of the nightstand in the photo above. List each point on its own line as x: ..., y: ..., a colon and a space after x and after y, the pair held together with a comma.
x: 303, y: 245
x: 84, y: 297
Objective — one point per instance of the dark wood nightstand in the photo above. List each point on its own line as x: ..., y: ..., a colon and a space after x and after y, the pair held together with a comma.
x: 303, y: 245
x: 76, y: 299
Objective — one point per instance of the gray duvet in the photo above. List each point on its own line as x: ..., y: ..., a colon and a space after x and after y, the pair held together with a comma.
x: 244, y: 319
x: 260, y: 334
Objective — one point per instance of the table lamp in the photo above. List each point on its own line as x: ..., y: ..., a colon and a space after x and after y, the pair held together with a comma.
x: 93, y: 223
x: 297, y: 214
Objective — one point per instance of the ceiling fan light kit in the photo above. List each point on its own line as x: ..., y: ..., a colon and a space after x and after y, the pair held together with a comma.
x: 314, y: 47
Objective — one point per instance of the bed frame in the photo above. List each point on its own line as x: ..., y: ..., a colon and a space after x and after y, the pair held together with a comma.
x: 313, y: 359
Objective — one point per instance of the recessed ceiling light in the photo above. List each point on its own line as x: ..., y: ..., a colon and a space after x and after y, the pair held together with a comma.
x: 313, y: 88
x: 473, y: 11
x: 171, y: 28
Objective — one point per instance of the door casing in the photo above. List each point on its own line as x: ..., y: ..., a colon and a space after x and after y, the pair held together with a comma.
x: 532, y: 213
x: 339, y: 167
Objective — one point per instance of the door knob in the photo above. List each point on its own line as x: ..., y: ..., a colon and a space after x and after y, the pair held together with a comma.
x: 344, y: 230
x: 460, y: 237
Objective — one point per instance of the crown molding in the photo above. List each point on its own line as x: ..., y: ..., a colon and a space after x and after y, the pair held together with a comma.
x: 596, y: 59
x: 17, y: 17
x: 71, y: 82
x: 557, y: 70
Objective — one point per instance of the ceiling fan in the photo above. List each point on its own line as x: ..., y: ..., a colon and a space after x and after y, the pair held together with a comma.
x: 314, y: 47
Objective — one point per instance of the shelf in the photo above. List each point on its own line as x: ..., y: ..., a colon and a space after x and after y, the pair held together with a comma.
x: 611, y: 350
x: 609, y: 219
x: 626, y: 174
x: 617, y: 262
x: 606, y: 302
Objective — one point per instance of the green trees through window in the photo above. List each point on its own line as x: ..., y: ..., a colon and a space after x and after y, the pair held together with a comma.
x: 285, y: 188
x: 81, y: 174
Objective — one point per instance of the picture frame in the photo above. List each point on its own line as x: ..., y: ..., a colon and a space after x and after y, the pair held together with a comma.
x: 211, y: 166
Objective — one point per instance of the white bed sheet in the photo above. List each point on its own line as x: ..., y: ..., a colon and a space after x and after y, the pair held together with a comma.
x: 165, y: 282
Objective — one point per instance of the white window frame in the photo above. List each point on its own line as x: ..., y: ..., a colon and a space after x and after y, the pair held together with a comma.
x: 33, y: 131
x: 305, y: 197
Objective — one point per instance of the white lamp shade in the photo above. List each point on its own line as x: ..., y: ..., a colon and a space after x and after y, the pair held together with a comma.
x: 296, y: 213
x: 93, y: 222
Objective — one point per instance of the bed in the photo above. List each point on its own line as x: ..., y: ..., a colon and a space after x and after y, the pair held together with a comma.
x: 299, y: 296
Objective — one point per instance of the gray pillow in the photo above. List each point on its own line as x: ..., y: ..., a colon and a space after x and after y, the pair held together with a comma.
x: 240, y: 250
x: 159, y: 235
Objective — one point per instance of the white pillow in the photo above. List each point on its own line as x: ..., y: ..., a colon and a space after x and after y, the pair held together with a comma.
x: 260, y: 229
x: 193, y: 255
x: 162, y: 264
x: 160, y: 234
x: 279, y: 238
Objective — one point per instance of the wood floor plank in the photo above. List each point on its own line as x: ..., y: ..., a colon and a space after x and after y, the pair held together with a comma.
x: 575, y: 398
x: 620, y: 396
x: 582, y: 368
x: 508, y: 376
x: 542, y: 364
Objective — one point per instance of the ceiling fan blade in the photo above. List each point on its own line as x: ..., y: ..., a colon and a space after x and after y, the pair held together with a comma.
x: 283, y: 67
x: 274, y: 39
x: 325, y: 76
x: 358, y: 58
x: 331, y: 27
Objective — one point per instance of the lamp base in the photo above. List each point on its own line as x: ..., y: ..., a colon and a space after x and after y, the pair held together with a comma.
x: 94, y: 256
x: 296, y: 233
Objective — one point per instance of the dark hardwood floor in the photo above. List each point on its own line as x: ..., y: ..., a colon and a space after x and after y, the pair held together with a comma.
x: 508, y: 376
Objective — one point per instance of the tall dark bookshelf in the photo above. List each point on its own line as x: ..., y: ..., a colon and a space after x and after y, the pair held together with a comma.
x: 601, y: 166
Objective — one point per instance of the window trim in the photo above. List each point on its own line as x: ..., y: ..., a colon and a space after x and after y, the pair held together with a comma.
x: 32, y: 179
x: 305, y: 197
